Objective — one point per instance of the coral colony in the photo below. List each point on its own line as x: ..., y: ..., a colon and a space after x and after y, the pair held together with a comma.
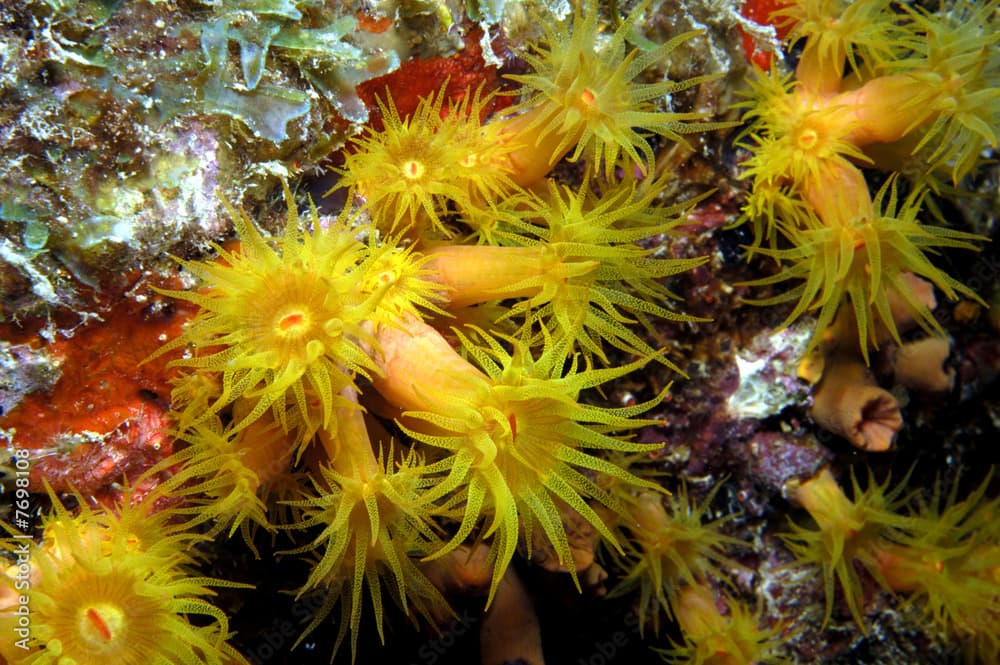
x: 515, y: 357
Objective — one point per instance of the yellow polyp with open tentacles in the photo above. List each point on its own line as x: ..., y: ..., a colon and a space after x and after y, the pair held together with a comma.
x: 948, y: 562
x: 103, y: 592
x: 372, y: 525
x: 574, y: 264
x: 847, y: 532
x: 954, y: 81
x: 793, y: 137
x: 714, y: 637
x: 402, y: 278
x: 669, y: 543
x: 411, y: 170
x: 863, y: 264
x: 861, y: 32
x: 227, y: 476
x: 605, y: 280
x: 584, y: 96
x: 940, y: 554
x: 520, y: 441
x: 279, y: 324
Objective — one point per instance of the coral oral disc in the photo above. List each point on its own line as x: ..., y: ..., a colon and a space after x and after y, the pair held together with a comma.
x: 293, y: 324
x: 413, y: 169
x: 291, y: 321
x: 808, y: 138
x: 101, y: 625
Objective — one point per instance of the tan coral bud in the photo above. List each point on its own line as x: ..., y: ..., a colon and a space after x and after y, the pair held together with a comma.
x: 920, y: 365
x: 849, y: 403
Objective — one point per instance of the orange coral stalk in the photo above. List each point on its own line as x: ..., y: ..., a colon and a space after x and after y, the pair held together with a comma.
x: 464, y: 570
x: 532, y: 161
x: 263, y: 447
x: 476, y: 274
x: 696, y: 610
x: 417, y: 363
x: 349, y: 449
x: 838, y: 193
x: 822, y: 496
x: 903, y: 315
x: 887, y: 108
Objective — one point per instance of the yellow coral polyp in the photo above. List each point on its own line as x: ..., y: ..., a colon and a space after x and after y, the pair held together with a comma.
x: 101, y: 617
x: 865, y: 264
x: 415, y: 167
x: 401, y: 281
x: 282, y: 325
x: 797, y: 135
x: 846, y: 532
x: 580, y: 273
x: 584, y: 97
x: 99, y: 594
x: 520, y: 442
x: 226, y: 476
x: 837, y: 32
x: 715, y: 638
x: 373, y: 522
x: 948, y: 562
x: 668, y: 544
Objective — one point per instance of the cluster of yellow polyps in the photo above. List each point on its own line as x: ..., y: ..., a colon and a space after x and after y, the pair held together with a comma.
x: 314, y: 345
x: 922, y: 96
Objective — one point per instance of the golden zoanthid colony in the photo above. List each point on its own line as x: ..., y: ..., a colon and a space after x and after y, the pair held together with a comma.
x: 613, y: 343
